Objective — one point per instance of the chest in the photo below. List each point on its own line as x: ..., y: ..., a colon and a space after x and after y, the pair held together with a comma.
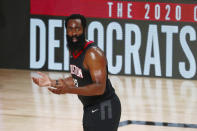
x: 78, y: 70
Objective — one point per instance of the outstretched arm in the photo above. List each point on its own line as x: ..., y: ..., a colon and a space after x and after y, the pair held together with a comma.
x: 45, y: 81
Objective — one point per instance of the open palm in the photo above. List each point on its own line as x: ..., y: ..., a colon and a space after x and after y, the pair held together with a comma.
x: 43, y: 81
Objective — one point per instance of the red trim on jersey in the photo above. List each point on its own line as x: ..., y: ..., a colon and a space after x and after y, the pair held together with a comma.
x: 79, y: 53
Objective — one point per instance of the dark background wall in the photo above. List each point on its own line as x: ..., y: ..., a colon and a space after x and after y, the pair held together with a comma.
x: 14, y: 28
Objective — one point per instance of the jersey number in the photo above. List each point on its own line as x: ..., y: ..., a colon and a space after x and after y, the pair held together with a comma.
x: 75, y: 82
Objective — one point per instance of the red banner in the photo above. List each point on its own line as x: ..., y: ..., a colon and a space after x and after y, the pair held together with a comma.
x: 152, y: 11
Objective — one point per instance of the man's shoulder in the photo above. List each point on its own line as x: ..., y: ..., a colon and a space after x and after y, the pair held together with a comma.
x: 95, y: 50
x: 94, y: 55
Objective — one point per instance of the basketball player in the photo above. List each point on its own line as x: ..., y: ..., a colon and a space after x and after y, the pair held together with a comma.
x: 88, y: 67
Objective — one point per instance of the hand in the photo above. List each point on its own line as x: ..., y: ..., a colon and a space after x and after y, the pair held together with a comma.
x: 61, y: 88
x: 43, y: 81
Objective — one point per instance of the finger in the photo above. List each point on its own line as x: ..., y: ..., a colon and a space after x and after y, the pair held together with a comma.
x: 63, y: 81
x: 57, y: 86
x: 35, y: 80
x: 60, y: 83
x: 42, y: 74
x: 55, y: 91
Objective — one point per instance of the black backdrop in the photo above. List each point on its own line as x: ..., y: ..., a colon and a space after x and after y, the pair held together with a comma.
x: 14, y: 51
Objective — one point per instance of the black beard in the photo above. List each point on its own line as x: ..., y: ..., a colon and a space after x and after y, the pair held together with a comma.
x: 73, y: 46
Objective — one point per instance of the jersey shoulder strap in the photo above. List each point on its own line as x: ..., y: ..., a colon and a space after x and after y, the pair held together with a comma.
x: 87, y: 45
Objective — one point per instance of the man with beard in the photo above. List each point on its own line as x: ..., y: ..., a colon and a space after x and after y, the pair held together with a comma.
x: 89, y: 80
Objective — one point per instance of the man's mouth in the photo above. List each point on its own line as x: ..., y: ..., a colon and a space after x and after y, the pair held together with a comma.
x: 74, y: 39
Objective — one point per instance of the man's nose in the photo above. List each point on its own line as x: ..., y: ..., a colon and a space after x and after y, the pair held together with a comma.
x: 74, y: 33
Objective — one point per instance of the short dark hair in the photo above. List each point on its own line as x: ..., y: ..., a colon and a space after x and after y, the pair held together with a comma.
x: 77, y: 16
